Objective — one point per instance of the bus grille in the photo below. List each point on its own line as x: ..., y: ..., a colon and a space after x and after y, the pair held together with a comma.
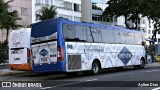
x: 74, y: 62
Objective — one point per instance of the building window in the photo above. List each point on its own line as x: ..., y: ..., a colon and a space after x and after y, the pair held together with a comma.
x: 78, y: 19
x: 38, y: 2
x: 24, y: 11
x: 77, y: 7
x: 143, y: 21
x: 158, y: 32
x: 149, y: 31
x: 47, y: 2
x: 67, y: 5
x: 65, y: 16
x: 158, y: 39
x: 96, y: 7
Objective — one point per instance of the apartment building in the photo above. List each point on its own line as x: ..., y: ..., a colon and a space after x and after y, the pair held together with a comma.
x: 70, y: 9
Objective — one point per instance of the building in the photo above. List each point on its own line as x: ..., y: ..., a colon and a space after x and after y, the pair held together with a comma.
x: 92, y: 11
x: 24, y: 11
x: 70, y: 9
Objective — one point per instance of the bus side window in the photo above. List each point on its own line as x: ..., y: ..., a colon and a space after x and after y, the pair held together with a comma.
x: 119, y: 37
x: 129, y: 38
x: 107, y: 36
x: 81, y: 33
x: 69, y: 31
x: 93, y: 34
x: 138, y: 38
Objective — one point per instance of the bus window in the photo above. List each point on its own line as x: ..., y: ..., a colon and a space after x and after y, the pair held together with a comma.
x: 129, y: 37
x: 138, y: 38
x: 93, y: 34
x: 80, y: 30
x: 119, y: 37
x: 69, y: 31
x: 107, y: 36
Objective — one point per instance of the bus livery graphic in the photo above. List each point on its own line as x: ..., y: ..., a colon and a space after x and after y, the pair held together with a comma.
x: 125, y: 55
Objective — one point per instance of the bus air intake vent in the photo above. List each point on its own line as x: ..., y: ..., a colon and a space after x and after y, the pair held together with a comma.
x: 74, y: 62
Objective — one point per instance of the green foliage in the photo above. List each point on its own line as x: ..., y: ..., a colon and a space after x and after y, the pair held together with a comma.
x: 134, y: 10
x: 130, y: 9
x: 3, y: 52
x: 8, y: 19
x: 46, y: 12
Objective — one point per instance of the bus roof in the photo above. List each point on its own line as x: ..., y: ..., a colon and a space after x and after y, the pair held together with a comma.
x: 63, y: 20
x: 98, y: 25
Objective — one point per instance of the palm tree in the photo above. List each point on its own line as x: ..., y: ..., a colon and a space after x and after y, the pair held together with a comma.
x: 9, y: 21
x: 46, y: 12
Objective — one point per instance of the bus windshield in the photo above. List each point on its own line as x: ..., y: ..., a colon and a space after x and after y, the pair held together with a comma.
x: 44, y: 31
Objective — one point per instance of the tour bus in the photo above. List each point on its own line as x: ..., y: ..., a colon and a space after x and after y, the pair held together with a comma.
x: 68, y: 46
x: 20, y: 49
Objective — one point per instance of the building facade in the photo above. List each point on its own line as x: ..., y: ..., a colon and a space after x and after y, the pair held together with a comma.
x: 70, y: 9
x: 24, y: 11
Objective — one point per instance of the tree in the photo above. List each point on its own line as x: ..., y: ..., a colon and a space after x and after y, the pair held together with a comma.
x: 130, y: 9
x: 46, y: 12
x: 134, y: 10
x: 151, y: 9
x: 8, y: 19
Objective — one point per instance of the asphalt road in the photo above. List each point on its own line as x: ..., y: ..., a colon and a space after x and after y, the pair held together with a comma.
x: 110, y: 79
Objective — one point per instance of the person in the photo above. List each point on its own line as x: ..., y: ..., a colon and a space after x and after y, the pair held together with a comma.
x: 149, y: 59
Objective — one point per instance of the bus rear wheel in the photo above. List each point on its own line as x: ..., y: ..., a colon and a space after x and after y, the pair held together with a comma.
x: 95, y: 68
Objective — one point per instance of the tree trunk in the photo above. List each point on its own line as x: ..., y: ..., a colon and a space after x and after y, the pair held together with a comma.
x: 7, y: 36
x: 127, y: 26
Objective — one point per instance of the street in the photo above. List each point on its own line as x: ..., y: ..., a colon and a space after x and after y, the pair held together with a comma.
x: 110, y: 79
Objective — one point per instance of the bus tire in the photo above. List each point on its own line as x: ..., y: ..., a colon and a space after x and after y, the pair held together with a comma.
x: 141, y: 66
x: 95, y: 68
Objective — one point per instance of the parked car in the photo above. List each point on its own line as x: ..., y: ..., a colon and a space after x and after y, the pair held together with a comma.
x: 157, y: 58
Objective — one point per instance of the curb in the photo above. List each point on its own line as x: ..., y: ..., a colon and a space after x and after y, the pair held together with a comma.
x: 14, y: 73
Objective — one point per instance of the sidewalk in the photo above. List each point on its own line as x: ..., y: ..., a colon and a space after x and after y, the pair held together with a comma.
x: 12, y: 72
x: 153, y: 64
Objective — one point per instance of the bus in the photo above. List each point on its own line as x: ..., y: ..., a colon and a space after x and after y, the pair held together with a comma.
x: 67, y: 46
x: 20, y: 49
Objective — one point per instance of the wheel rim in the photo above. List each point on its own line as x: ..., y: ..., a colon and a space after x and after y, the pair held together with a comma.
x: 95, y: 68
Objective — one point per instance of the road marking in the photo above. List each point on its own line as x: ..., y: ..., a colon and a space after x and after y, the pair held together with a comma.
x: 92, y: 80
x: 46, y: 88
x: 156, y: 88
x: 68, y: 84
x: 153, y: 70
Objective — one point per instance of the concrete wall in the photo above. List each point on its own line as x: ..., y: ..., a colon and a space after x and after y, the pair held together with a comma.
x: 86, y: 11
